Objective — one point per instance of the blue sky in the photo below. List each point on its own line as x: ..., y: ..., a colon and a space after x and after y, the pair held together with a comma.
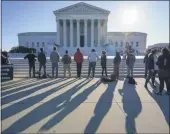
x: 37, y: 16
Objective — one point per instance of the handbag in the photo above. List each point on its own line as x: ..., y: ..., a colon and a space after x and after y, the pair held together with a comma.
x: 163, y: 73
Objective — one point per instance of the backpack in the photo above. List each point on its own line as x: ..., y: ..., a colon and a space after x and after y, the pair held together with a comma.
x: 132, y: 81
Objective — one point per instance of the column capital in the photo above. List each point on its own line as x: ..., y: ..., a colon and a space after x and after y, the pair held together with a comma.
x: 77, y: 19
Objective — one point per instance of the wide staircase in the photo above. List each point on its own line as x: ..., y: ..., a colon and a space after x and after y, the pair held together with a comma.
x: 21, y: 68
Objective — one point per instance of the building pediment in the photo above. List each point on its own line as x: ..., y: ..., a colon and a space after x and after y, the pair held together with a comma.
x: 81, y: 8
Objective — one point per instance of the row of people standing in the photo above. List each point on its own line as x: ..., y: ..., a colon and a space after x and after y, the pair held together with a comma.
x: 160, y: 65
x: 93, y: 58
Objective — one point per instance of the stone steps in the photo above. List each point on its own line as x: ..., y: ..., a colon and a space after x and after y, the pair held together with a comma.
x: 21, y: 68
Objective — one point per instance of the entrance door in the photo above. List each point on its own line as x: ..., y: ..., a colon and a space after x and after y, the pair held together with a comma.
x: 81, y: 41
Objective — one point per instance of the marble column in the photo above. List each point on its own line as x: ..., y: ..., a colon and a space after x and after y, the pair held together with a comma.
x: 92, y: 32
x: 78, y: 33
x: 105, y: 32
x: 58, y: 31
x: 85, y: 32
x: 71, y: 32
x: 64, y: 32
x: 99, y: 31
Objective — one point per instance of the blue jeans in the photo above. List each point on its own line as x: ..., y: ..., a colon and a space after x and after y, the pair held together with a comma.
x: 55, y: 66
x: 92, y: 66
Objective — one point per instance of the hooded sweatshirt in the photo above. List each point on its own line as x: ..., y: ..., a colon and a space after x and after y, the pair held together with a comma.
x: 93, y: 57
x: 78, y: 57
x: 54, y: 57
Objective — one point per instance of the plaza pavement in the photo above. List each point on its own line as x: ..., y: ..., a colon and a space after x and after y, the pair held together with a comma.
x: 70, y: 105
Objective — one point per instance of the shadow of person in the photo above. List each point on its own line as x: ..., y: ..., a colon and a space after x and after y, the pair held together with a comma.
x: 162, y: 101
x: 22, y: 87
x: 19, y: 83
x: 30, y: 101
x: 13, y: 81
x: 71, y: 105
x: 46, y: 109
x: 131, y: 105
x: 25, y: 93
x: 102, y: 108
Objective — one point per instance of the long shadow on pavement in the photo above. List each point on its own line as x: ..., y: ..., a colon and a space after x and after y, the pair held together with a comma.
x: 132, y: 105
x: 23, y: 83
x: 13, y: 81
x: 30, y: 101
x: 22, y: 94
x: 70, y: 106
x: 162, y: 101
x: 102, y: 108
x: 45, y: 109
x: 22, y: 87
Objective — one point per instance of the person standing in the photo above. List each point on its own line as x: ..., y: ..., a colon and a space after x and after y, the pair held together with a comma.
x: 130, y: 61
x: 155, y: 56
x: 116, y: 62
x: 146, y: 62
x: 151, y: 65
x: 164, y: 71
x: 31, y: 61
x: 104, y: 63
x: 54, y: 58
x: 66, y: 63
x: 93, y: 58
x: 42, y: 62
x: 78, y: 57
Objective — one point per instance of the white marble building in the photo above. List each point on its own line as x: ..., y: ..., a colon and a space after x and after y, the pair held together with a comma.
x: 84, y: 26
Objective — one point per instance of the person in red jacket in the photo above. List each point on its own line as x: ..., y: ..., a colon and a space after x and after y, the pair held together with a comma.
x: 78, y: 57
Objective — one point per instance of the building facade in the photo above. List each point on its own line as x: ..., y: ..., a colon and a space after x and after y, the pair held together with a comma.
x: 83, y: 26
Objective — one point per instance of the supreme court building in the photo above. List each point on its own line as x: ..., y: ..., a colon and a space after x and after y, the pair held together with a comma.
x: 83, y: 26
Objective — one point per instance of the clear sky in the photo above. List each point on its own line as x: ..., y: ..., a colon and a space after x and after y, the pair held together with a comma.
x: 151, y: 17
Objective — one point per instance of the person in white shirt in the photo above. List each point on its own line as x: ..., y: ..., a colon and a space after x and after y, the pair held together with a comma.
x: 155, y: 68
x: 93, y: 58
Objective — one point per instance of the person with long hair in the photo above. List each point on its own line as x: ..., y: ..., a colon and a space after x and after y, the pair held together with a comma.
x: 116, y: 62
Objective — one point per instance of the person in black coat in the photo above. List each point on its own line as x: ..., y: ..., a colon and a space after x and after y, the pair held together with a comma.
x: 31, y: 61
x: 116, y: 62
x: 146, y: 62
x: 42, y: 61
x: 104, y: 63
x: 151, y: 68
x: 164, y: 71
